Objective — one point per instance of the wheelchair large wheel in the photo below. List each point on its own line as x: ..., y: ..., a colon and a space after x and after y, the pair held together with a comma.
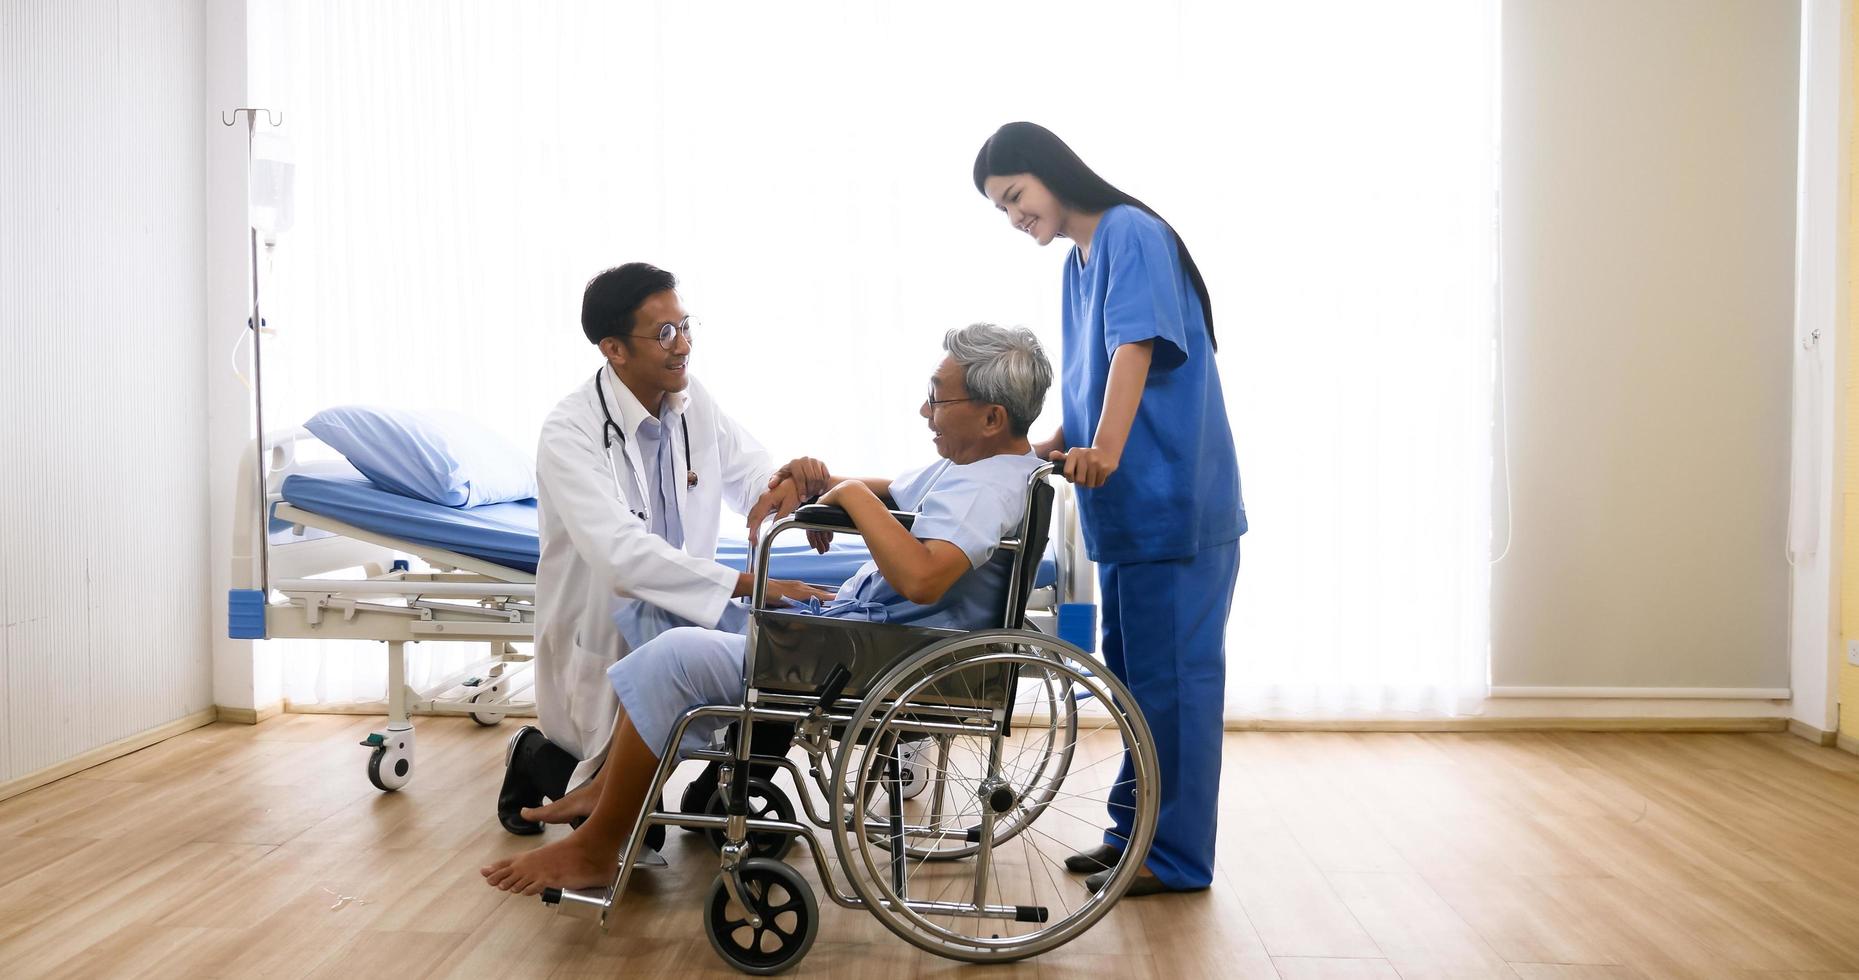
x: 782, y: 899
x: 1044, y: 729
x: 1012, y: 897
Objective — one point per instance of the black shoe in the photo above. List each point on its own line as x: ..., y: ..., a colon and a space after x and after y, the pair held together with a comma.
x: 1098, y: 858
x: 534, y: 769
x: 518, y: 791
x: 1143, y: 885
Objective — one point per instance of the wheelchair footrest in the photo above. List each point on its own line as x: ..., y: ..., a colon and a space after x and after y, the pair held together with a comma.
x: 584, y: 904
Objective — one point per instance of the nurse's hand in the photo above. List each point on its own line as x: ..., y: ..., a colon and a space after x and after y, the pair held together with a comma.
x: 1087, y: 466
x: 781, y: 588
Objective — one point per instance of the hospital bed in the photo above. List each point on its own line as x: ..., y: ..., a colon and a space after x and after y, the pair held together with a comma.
x: 342, y: 558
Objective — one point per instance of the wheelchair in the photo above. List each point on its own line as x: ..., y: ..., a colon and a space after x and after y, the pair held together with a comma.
x: 953, y: 771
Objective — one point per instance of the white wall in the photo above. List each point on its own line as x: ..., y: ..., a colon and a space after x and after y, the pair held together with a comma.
x: 1648, y: 192
x: 103, y: 515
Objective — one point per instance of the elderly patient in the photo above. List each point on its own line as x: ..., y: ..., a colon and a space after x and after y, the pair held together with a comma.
x: 940, y: 572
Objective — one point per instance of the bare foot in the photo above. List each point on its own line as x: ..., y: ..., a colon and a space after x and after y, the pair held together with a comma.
x: 578, y: 803
x: 567, y: 863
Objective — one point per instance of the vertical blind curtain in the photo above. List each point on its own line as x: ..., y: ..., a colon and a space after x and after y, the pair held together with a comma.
x: 463, y: 167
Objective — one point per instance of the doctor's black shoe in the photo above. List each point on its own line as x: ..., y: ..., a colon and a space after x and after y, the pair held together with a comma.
x: 519, y: 783
x: 1096, y: 859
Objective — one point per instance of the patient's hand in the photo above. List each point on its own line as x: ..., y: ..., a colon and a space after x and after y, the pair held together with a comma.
x: 780, y: 588
x: 810, y: 476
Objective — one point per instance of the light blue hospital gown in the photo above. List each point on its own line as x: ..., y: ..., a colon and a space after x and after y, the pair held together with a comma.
x: 677, y: 666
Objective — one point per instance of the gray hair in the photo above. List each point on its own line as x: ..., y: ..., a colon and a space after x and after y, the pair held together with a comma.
x: 1002, y: 366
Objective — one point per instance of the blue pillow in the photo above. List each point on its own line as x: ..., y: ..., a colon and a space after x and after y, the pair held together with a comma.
x: 435, y: 456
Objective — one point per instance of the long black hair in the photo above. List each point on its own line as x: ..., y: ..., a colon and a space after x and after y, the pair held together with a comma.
x: 1029, y: 148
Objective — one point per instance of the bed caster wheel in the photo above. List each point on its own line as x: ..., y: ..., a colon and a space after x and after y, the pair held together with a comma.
x: 390, y: 765
x: 766, y: 802
x: 488, y: 718
x: 790, y: 918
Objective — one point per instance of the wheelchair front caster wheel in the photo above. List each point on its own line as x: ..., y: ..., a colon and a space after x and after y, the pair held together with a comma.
x: 766, y: 802
x: 790, y: 918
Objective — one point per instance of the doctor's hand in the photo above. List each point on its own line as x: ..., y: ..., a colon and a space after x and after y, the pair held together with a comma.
x: 780, y: 588
x: 810, y: 476
x: 778, y: 502
x: 1087, y: 466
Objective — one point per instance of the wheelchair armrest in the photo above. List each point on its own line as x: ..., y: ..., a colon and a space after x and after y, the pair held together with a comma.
x: 837, y: 517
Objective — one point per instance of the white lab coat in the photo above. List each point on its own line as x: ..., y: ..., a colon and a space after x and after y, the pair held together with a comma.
x: 595, y: 549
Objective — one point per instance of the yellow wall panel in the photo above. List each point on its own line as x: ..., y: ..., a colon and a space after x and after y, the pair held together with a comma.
x: 1849, y: 342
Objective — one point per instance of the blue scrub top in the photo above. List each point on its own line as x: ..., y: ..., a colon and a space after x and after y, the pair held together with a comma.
x: 1176, y: 490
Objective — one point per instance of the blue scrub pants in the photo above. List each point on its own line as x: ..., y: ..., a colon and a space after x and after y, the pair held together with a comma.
x: 1165, y: 638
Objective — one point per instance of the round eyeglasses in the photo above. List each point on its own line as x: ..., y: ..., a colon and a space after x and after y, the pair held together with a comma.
x: 668, y: 333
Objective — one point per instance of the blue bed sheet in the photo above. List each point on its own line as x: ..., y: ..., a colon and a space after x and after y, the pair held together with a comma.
x: 505, y: 534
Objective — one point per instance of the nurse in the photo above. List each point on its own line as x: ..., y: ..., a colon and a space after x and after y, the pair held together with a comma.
x: 1144, y: 438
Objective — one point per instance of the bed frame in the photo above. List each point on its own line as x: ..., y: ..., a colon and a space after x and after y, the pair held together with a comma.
x: 290, y: 589
x: 329, y: 580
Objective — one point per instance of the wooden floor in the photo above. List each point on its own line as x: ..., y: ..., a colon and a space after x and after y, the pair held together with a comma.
x: 239, y: 851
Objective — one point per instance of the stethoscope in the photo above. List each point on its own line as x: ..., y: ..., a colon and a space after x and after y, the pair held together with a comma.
x: 612, y: 428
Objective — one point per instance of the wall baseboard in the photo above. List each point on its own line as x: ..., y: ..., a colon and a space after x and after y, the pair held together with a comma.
x: 524, y: 710
x: 1476, y: 723
x: 1846, y: 743
x: 104, y: 753
x: 1817, y: 736
x: 1682, y: 693
x: 250, y: 716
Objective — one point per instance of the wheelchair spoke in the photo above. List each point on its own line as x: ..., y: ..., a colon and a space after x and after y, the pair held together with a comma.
x: 1046, y: 865
x: 1071, y: 847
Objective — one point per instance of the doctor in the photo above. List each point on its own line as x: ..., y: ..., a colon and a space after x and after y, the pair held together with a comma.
x: 633, y: 468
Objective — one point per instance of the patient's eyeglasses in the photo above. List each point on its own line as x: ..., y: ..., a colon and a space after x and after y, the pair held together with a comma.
x: 933, y: 401
x: 668, y: 333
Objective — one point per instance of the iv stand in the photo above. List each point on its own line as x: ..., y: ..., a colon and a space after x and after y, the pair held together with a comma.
x: 263, y: 540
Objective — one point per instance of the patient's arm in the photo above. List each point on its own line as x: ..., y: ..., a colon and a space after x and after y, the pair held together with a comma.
x: 815, y: 483
x: 786, y: 494
x: 920, y: 571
